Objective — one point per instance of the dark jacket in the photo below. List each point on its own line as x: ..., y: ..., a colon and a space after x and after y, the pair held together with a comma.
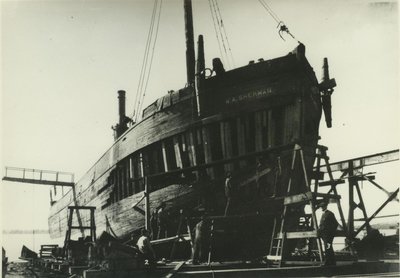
x: 327, y: 226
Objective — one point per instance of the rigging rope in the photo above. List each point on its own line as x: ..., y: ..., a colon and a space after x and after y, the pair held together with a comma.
x: 221, y: 33
x: 216, y: 30
x: 146, y: 64
x: 281, y: 25
x: 218, y: 20
x: 152, y: 56
x: 224, y: 31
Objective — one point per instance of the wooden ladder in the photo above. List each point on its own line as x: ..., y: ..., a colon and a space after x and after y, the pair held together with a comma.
x: 91, y: 227
x: 277, y: 252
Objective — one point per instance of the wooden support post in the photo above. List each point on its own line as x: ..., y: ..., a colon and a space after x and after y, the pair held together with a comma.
x: 177, y: 149
x: 353, y: 183
x: 146, y: 194
x: 192, y: 149
x: 190, y: 234
x: 164, y: 153
x: 271, y: 130
x: 241, y: 140
x: 210, y: 244
x: 258, y: 122
x: 178, y: 233
x: 350, y: 218
x: 366, y: 224
x: 207, y: 149
x: 226, y: 143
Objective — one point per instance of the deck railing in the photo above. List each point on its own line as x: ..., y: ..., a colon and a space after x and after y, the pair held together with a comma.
x: 38, y: 176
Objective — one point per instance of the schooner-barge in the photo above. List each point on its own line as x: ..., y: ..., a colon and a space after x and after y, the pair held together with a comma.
x: 239, y: 121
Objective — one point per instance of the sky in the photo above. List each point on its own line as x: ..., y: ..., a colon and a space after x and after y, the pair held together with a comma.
x: 62, y: 63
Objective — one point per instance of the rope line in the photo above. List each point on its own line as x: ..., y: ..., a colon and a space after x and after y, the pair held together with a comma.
x: 270, y: 11
x: 137, y: 97
x: 216, y: 30
x: 147, y: 60
x: 152, y: 56
x: 218, y: 20
x: 224, y: 32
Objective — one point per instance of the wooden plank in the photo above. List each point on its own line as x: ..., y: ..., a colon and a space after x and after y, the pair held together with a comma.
x: 177, y: 151
x: 271, y: 129
x: 120, y: 182
x: 274, y: 257
x: 258, y: 130
x: 264, y: 129
x: 294, y: 235
x: 175, y: 270
x: 170, y: 239
x: 226, y: 143
x: 116, y: 189
x: 192, y: 149
x: 207, y: 149
x: 330, y: 183
x: 330, y: 196
x: 368, y: 160
x: 241, y: 140
x: 164, y: 154
x: 222, y: 132
x: 34, y: 181
x: 304, y: 197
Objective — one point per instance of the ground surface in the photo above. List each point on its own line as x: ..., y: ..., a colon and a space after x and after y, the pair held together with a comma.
x: 23, y: 269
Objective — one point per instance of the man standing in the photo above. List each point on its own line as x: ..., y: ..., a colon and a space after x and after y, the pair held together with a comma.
x: 201, y: 240
x: 228, y: 191
x: 326, y: 231
x: 162, y: 218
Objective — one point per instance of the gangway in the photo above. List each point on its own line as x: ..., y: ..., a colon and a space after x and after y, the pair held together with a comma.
x: 36, y: 176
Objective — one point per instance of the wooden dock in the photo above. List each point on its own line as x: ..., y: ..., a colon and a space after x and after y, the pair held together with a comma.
x: 179, y: 269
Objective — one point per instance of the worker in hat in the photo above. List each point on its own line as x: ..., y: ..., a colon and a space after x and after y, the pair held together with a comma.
x: 326, y: 231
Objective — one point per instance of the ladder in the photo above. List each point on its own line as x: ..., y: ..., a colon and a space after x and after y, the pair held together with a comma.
x: 91, y: 227
x: 301, y: 226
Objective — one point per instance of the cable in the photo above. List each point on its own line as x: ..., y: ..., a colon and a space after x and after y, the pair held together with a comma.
x: 270, y: 11
x: 224, y: 31
x: 137, y: 98
x: 152, y: 56
x: 218, y: 20
x: 146, y: 64
x: 216, y: 31
x: 281, y: 25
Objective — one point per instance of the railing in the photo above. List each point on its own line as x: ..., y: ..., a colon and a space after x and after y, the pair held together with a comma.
x: 39, y: 176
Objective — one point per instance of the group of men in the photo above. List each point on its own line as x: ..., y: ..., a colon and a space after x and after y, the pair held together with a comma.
x: 159, y: 221
x: 159, y: 224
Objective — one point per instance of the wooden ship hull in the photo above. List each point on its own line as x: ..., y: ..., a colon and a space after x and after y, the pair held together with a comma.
x: 249, y: 110
x: 239, y: 121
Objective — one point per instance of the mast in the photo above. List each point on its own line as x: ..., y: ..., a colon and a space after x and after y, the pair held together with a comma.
x: 190, y: 56
x: 200, y: 76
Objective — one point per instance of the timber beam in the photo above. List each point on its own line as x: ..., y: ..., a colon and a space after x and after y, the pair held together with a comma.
x: 308, y: 196
x: 35, y: 181
x: 360, y: 162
